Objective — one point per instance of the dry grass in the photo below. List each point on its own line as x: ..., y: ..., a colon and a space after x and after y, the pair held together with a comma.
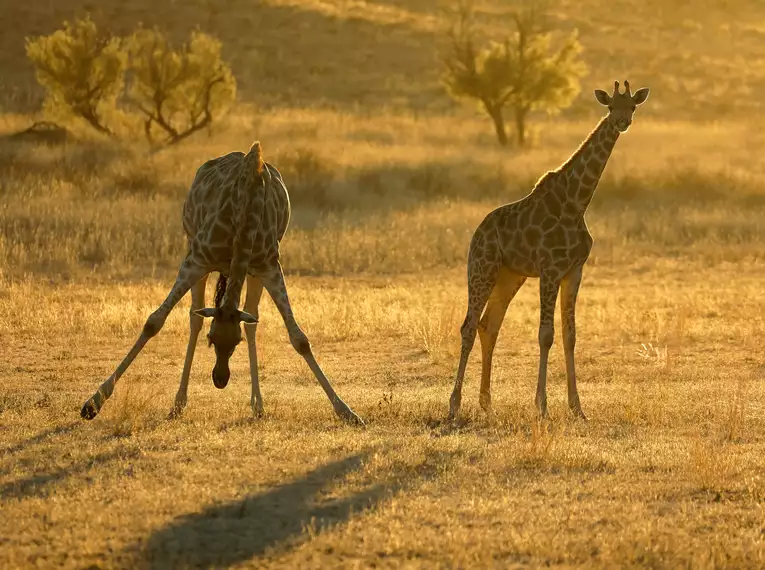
x: 666, y: 474
x: 384, y: 194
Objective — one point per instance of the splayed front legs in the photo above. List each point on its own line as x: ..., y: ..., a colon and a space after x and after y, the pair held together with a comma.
x: 189, y: 274
x: 195, y: 327
x: 254, y: 292
x: 273, y: 281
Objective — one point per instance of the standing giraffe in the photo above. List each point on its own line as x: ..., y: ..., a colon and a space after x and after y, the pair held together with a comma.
x: 541, y: 235
x: 235, y: 215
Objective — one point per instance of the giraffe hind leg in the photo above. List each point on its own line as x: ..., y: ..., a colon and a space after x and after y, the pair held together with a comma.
x: 481, y: 280
x: 508, y: 284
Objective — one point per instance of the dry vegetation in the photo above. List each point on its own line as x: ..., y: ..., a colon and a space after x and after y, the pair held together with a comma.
x: 668, y: 472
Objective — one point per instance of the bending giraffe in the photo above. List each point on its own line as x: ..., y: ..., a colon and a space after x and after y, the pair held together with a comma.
x: 235, y: 215
x: 542, y: 235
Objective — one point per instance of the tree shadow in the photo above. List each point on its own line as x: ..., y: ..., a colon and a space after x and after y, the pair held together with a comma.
x: 38, y: 484
x: 237, y: 531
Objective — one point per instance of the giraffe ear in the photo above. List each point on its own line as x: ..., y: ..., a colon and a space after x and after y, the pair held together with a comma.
x: 207, y: 312
x: 640, y: 96
x: 247, y: 318
x: 602, y: 97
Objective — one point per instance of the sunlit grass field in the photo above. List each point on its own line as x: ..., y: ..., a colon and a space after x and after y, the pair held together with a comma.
x: 388, y: 179
x: 667, y: 473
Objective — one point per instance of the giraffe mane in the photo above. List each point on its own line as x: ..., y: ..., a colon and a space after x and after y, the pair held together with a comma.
x: 581, y: 147
x: 220, y: 290
x: 544, y: 179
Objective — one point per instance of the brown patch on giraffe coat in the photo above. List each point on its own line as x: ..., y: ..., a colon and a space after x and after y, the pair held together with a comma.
x: 524, y: 220
x: 548, y: 223
x: 532, y: 236
x: 556, y: 237
x: 226, y: 212
x: 539, y: 214
x: 587, y: 182
x: 219, y: 234
x: 553, y: 205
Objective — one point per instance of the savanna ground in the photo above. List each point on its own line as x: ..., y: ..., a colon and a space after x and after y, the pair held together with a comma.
x: 667, y: 473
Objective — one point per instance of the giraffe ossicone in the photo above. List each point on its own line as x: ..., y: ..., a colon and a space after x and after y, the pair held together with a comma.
x: 542, y: 235
x: 235, y: 215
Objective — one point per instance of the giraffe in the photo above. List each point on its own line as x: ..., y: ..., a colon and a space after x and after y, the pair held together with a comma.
x: 542, y: 235
x: 236, y: 213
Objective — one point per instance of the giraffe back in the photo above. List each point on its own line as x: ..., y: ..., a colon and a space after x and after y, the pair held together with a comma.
x: 542, y: 231
x: 210, y: 212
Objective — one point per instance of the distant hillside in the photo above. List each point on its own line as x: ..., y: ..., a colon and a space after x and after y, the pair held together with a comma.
x: 707, y: 58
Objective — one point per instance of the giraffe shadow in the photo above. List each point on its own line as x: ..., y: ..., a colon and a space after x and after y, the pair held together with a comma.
x: 227, y: 534
x: 241, y: 531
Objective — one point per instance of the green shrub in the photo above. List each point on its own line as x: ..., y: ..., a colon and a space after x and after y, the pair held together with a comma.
x: 81, y: 70
x: 178, y: 91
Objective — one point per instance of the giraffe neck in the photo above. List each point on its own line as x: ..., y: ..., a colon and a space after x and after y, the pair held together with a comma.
x: 249, y: 199
x: 583, y: 170
x: 233, y: 294
x: 237, y: 272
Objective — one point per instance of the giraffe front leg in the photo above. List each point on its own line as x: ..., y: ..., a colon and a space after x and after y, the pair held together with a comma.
x: 569, y: 291
x: 195, y: 327
x: 254, y: 292
x: 274, y: 284
x: 548, y: 294
x: 189, y: 274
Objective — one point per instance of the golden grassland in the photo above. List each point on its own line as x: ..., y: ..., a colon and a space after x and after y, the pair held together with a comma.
x: 380, y: 194
x: 388, y: 182
x: 667, y: 473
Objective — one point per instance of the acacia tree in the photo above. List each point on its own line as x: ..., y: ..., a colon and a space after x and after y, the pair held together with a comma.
x: 522, y: 72
x: 81, y: 70
x: 178, y: 91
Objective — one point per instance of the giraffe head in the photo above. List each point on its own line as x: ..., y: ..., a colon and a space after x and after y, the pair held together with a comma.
x: 225, y: 334
x: 621, y: 106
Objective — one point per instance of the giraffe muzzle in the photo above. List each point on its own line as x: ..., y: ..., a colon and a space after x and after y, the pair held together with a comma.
x: 220, y: 377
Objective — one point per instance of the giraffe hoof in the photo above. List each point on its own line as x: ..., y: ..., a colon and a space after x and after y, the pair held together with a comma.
x: 89, y: 410
x: 175, y: 413
x: 257, y: 413
x: 350, y: 417
x: 454, y: 408
x: 579, y: 415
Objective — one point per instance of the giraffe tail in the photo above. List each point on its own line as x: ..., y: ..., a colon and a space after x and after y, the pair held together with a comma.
x: 254, y: 158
